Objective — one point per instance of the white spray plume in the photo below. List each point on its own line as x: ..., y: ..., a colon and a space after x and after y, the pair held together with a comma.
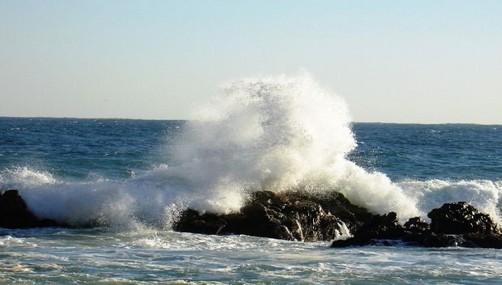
x: 272, y: 133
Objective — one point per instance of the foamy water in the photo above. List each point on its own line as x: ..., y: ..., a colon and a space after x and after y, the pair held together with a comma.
x: 56, y: 256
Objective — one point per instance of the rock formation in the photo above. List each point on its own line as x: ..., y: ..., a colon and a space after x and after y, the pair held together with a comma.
x: 292, y: 216
x: 15, y: 214
x: 302, y: 216
x: 453, y: 224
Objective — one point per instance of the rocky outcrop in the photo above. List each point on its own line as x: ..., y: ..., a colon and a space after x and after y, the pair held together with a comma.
x: 460, y: 218
x: 305, y: 217
x: 374, y: 231
x: 15, y: 214
x: 453, y: 224
x: 290, y: 216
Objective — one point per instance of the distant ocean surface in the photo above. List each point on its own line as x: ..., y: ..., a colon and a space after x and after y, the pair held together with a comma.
x: 132, y: 177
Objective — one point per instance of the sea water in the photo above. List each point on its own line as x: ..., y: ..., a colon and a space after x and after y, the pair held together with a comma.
x: 131, y: 178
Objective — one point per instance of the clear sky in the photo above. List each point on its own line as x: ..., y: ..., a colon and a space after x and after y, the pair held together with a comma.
x: 393, y: 61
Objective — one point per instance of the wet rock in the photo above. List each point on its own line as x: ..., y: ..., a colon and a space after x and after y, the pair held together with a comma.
x: 383, y: 227
x: 490, y: 240
x: 416, y: 225
x: 338, y: 205
x: 463, y: 220
x: 305, y: 217
x: 289, y: 216
x: 15, y: 214
x: 453, y: 224
x: 431, y: 239
x: 195, y: 222
x: 460, y: 218
x: 378, y: 227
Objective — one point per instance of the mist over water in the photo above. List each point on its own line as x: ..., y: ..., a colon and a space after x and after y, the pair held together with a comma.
x: 280, y: 133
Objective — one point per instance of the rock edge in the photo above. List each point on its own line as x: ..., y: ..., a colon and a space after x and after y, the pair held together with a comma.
x: 14, y: 214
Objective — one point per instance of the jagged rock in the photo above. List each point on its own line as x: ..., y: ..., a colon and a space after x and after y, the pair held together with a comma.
x: 463, y: 220
x: 300, y: 216
x: 377, y: 228
x: 454, y: 224
x: 383, y: 227
x: 416, y: 225
x: 290, y: 216
x: 305, y: 217
x: 194, y: 222
x: 460, y: 218
x: 15, y: 214
x: 339, y: 206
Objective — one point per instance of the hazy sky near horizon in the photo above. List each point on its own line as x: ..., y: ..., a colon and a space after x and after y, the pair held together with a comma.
x: 393, y: 61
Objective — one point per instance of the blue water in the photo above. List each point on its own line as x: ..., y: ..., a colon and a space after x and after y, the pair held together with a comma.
x: 76, y: 148
x: 413, y: 151
x: 119, y: 170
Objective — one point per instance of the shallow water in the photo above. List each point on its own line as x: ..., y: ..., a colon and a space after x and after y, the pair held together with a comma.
x: 149, y: 256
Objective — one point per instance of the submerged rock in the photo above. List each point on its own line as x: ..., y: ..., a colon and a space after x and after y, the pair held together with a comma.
x: 15, y: 214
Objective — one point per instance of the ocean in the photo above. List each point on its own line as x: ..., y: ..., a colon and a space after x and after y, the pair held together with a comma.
x: 130, y: 178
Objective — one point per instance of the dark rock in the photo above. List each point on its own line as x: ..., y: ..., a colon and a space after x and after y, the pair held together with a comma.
x: 339, y: 206
x: 15, y: 214
x: 377, y: 228
x: 357, y: 240
x: 305, y: 217
x: 458, y: 224
x: 290, y: 216
x: 454, y: 224
x: 430, y: 239
x: 383, y: 227
x: 490, y: 240
x: 416, y: 225
x: 460, y: 218
x: 194, y: 222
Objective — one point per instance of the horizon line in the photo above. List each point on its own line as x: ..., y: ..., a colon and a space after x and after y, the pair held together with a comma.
x: 156, y: 119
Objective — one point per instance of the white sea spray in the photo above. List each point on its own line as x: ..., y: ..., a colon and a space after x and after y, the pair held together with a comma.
x: 278, y: 133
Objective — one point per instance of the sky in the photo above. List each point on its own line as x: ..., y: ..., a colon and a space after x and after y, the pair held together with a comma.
x: 392, y: 61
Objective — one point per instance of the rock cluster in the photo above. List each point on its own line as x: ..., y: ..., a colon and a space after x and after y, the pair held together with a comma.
x: 453, y: 224
x: 298, y: 216
x: 292, y: 216
x: 302, y: 216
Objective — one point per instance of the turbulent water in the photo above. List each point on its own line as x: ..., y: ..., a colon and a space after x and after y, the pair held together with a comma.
x: 132, y: 177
